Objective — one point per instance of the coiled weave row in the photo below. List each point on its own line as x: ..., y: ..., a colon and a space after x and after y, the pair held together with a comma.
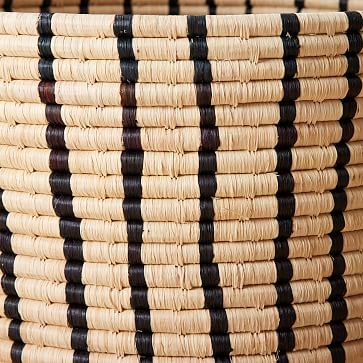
x: 174, y: 7
x: 181, y: 188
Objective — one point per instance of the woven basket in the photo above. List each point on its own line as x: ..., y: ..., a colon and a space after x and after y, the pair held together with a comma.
x: 182, y: 188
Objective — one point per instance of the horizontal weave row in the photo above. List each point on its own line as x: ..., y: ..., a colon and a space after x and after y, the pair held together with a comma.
x: 171, y: 8
x: 181, y: 322
x: 180, y: 233
x: 180, y: 95
x: 182, y: 211
x: 252, y: 114
x: 174, y: 164
x: 166, y: 49
x: 176, y: 299
x: 183, y: 71
x: 169, y: 254
x: 141, y: 26
x: 133, y: 6
x: 173, y: 345
x: 30, y: 353
x: 181, y: 187
x: 184, y: 277
x: 180, y: 140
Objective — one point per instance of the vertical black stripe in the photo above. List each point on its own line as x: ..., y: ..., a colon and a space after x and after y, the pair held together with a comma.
x: 174, y: 8
x: 59, y: 181
x: 210, y: 142
x: 343, y: 5
x: 8, y: 281
x: 299, y: 5
x: 337, y: 282
x: 8, y: 5
x: 44, y: 8
x: 212, y: 8
x: 287, y: 137
x: 248, y: 7
x: 127, y: 7
x: 132, y: 159
x: 83, y: 7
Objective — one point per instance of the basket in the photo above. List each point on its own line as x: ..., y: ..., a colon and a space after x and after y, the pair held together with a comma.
x: 179, y: 186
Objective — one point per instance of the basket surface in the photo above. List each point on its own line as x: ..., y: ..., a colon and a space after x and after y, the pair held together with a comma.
x: 181, y: 187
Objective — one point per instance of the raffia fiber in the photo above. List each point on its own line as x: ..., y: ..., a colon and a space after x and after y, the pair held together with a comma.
x: 177, y: 186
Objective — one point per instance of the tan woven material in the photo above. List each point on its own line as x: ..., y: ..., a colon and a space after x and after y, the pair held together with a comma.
x: 108, y: 71
x: 232, y: 47
x: 181, y: 182
x: 253, y: 114
x: 33, y: 353
x: 166, y: 254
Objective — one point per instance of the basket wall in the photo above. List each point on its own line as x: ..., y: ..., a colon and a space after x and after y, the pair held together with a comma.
x: 181, y: 187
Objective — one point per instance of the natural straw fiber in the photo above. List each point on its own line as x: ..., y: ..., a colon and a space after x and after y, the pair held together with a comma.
x: 181, y: 182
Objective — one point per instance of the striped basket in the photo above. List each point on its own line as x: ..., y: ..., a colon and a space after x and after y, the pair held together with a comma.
x: 182, y: 188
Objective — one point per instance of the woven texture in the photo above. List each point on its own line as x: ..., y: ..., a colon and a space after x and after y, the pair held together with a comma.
x: 174, y: 7
x: 181, y: 188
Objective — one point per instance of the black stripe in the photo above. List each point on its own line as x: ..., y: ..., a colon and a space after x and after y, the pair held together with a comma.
x: 209, y: 271
x: 338, y: 353
x: 355, y: 43
x: 75, y: 294
x: 122, y: 26
x: 7, y: 263
x: 343, y: 5
x: 290, y: 25
x: 83, y: 7
x: 132, y: 160
x: 5, y: 240
x: 129, y: 70
x: 3, y: 219
x: 79, y: 339
x: 291, y: 89
x: 81, y: 356
x: 127, y: 7
x: 55, y: 137
x: 197, y: 27
x: 248, y: 7
x: 44, y: 26
x: 212, y: 8
x: 291, y: 46
x: 62, y: 206
x: 58, y: 162
x: 8, y: 284
x: 59, y: 180
x: 198, y: 51
x: 8, y: 5
x: 73, y: 249
x: 337, y: 282
x: 355, y: 21
x: 299, y: 5
x: 45, y: 6
x: 287, y: 137
x: 60, y: 183
x: 77, y: 316
x: 125, y: 50
x: 174, y: 8
x: 53, y: 114
x: 16, y: 352
x: 14, y: 327
x: 45, y: 65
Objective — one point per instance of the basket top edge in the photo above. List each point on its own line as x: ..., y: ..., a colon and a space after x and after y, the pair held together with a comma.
x: 179, y: 26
